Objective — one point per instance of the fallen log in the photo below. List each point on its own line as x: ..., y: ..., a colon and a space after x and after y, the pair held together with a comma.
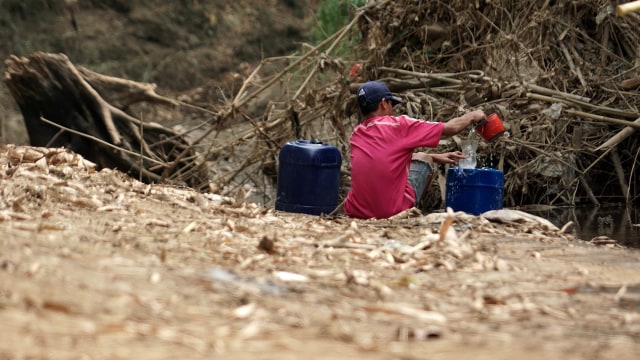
x: 63, y: 106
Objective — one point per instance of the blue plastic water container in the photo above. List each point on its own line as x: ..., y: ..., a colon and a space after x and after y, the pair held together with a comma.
x: 474, y: 191
x: 308, y: 177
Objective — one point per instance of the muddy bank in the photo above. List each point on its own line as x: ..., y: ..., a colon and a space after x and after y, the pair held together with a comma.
x: 613, y: 221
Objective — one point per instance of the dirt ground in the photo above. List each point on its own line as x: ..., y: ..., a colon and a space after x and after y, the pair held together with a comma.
x: 97, y: 265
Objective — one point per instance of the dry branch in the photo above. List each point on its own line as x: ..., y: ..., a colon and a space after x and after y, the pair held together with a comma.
x: 62, y: 108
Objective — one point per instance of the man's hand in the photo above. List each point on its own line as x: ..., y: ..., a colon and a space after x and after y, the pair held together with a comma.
x: 447, y: 158
x: 477, y: 116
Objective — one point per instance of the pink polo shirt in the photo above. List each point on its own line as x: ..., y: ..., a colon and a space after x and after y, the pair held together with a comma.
x: 381, y: 149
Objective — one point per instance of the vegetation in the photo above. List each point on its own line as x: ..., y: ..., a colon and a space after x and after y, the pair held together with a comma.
x: 333, y: 15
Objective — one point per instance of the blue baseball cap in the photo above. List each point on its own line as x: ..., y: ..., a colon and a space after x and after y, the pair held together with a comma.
x: 372, y: 92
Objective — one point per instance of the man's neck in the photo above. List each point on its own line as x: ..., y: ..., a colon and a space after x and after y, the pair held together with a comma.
x: 373, y: 114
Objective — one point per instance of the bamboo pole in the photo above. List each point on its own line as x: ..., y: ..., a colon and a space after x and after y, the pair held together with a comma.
x: 628, y: 8
x: 582, y: 104
x: 620, y: 172
x: 619, y: 137
x: 588, y: 190
x: 603, y: 118
x: 549, y: 92
x: 572, y: 66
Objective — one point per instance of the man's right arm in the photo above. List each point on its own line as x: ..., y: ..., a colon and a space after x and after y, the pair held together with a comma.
x: 456, y: 125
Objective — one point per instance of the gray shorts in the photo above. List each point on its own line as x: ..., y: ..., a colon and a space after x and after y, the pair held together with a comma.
x: 419, y: 172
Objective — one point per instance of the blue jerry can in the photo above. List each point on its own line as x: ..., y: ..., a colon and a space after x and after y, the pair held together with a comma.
x: 474, y: 191
x: 308, y: 177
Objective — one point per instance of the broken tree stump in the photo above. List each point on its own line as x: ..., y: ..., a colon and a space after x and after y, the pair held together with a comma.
x: 65, y: 106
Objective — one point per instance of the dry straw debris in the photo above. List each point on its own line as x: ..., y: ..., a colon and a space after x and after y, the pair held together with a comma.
x: 94, y: 255
x: 564, y: 76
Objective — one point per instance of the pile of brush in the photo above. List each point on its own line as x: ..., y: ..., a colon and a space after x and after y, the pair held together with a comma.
x: 564, y: 76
